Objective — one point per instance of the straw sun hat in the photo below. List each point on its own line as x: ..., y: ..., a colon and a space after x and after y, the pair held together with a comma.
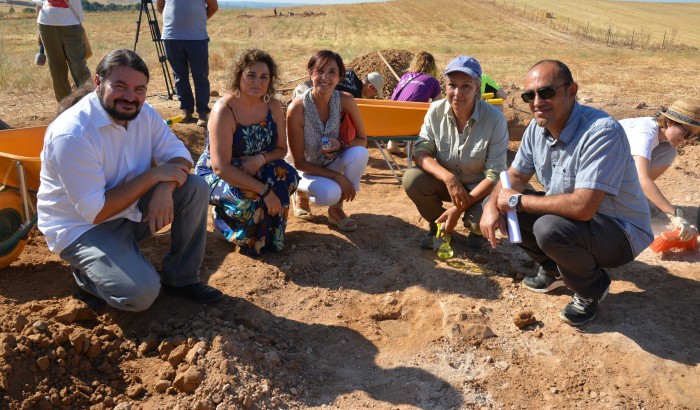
x: 685, y: 111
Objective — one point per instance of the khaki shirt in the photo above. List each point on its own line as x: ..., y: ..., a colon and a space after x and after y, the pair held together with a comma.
x: 474, y: 153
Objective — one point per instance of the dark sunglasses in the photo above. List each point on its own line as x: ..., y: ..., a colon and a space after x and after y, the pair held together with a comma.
x: 545, y: 93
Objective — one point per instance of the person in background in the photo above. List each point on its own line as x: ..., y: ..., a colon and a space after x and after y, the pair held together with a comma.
x: 653, y: 143
x: 61, y: 33
x: 592, y: 215
x: 243, y: 158
x: 329, y: 176
x: 418, y: 84
x: 460, y: 153
x: 100, y: 193
x: 186, y: 45
x: 490, y: 86
x: 370, y: 87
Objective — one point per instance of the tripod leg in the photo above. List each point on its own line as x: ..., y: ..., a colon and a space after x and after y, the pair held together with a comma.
x: 160, y: 49
x: 138, y: 27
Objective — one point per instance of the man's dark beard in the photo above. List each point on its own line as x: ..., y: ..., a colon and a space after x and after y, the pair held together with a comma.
x: 112, y: 111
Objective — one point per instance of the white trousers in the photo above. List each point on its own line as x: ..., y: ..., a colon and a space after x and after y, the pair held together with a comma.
x: 326, y: 192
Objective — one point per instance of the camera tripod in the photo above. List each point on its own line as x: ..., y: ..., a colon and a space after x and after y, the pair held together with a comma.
x: 147, y: 6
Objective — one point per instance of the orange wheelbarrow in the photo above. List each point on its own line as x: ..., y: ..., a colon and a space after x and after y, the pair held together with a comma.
x: 20, y: 165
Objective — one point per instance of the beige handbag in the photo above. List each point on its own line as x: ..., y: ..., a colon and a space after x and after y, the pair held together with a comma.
x: 88, y: 47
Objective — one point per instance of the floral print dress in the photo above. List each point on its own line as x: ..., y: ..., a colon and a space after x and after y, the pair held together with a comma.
x: 241, y: 216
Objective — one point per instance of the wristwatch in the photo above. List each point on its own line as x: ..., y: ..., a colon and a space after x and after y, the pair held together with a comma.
x: 515, y: 200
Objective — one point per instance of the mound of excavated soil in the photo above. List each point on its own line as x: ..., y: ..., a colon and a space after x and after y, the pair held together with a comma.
x: 398, y: 59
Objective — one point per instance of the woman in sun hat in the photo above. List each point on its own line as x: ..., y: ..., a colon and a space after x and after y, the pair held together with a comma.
x: 654, y: 142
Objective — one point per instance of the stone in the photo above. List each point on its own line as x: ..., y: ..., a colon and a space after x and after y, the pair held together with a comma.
x: 524, y: 318
x: 148, y: 344
x: 4, y: 381
x: 188, y: 381
x: 20, y: 322
x: 74, y: 311
x: 77, y: 340
x: 162, y: 385
x: 94, y: 350
x: 40, y: 325
x: 273, y: 358
x: 135, y: 391
x: 474, y: 333
x: 43, y: 363
x: 177, y: 355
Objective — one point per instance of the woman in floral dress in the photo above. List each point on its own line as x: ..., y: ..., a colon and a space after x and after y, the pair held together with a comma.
x: 243, y: 159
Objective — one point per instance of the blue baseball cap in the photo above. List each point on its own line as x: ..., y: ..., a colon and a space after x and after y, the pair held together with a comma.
x: 464, y: 64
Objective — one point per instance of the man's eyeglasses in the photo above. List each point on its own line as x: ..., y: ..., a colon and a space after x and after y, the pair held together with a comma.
x: 545, y: 93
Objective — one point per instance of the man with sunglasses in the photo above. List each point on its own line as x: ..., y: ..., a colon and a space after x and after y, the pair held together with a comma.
x: 592, y: 215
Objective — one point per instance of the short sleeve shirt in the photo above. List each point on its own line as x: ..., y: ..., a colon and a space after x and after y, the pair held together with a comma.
x: 591, y: 153
x: 417, y: 87
x: 351, y: 83
x: 185, y: 20
x: 58, y: 12
x: 643, y: 136
x: 475, y: 153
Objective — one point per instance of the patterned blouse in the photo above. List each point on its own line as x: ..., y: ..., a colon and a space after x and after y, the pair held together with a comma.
x: 315, y: 130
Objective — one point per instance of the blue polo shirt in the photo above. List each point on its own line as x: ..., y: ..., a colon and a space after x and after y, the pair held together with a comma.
x: 592, y: 152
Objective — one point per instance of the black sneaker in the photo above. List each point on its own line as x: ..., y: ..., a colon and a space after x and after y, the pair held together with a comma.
x: 581, y: 310
x: 196, y: 292
x: 427, y: 242
x: 95, y: 303
x: 543, y: 283
x: 476, y: 242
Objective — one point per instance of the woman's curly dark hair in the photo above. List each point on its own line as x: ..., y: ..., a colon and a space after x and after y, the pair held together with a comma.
x: 246, y: 59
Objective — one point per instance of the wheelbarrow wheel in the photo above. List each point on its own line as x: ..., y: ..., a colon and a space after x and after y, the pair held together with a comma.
x: 10, y: 222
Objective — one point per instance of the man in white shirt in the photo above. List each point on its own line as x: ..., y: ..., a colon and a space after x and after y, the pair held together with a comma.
x: 61, y: 33
x: 100, y: 195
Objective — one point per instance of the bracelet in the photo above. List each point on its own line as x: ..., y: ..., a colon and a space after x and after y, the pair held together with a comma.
x: 263, y: 158
x: 265, y: 191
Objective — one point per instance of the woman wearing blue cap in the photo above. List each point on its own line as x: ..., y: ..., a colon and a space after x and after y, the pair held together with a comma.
x: 459, y: 155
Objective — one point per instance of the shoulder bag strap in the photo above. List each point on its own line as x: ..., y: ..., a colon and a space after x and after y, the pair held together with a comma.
x: 75, y: 13
x: 405, y: 84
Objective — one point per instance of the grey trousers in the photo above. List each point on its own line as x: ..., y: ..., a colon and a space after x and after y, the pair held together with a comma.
x: 108, y: 263
x: 428, y: 193
x: 578, y: 250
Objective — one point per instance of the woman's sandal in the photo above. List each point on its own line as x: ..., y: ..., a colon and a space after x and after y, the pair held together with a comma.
x: 346, y: 224
x: 299, y: 212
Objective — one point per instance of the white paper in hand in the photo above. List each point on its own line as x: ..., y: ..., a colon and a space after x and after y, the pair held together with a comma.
x: 513, y: 227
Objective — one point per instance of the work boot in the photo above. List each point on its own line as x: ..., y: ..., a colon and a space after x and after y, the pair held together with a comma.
x: 203, y: 120
x: 196, y: 292
x: 187, y: 117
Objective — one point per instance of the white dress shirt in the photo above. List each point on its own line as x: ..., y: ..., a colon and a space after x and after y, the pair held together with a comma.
x: 86, y: 154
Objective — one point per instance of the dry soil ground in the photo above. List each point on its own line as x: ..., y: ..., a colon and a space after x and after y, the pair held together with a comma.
x: 359, y: 320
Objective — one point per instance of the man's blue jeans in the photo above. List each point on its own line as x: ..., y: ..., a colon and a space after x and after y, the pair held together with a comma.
x: 185, y: 56
x: 107, y: 261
